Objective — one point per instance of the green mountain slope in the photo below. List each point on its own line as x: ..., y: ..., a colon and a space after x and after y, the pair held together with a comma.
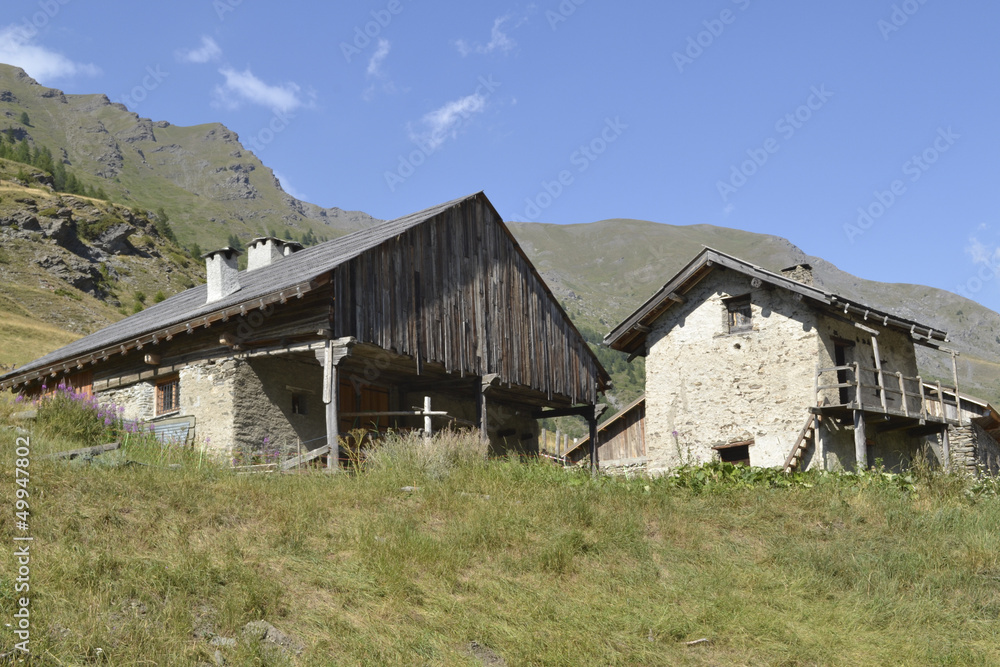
x: 206, y: 181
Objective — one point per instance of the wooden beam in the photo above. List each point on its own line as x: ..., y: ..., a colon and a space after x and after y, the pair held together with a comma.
x: 330, y: 398
x: 958, y: 398
x: 878, y: 370
x: 594, y: 444
x: 676, y: 298
x: 945, y: 450
x: 84, y: 451
x: 860, y: 442
x: 312, y: 454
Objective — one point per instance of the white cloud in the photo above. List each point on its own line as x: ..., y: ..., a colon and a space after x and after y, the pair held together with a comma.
x: 982, y: 253
x: 208, y: 51
x: 375, y: 64
x: 499, y: 41
x: 438, y: 125
x: 245, y: 87
x: 287, y: 186
x: 16, y: 48
x: 376, y: 72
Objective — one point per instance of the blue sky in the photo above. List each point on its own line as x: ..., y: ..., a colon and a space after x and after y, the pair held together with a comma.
x: 864, y: 131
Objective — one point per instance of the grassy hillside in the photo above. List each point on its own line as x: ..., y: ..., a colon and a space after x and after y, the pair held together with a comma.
x: 70, y: 265
x: 209, y: 184
x: 25, y: 339
x: 435, y: 556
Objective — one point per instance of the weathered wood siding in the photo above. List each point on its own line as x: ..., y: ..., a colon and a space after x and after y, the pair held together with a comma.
x: 456, y: 290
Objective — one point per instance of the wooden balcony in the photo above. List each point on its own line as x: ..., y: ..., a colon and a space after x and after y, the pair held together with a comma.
x: 892, y: 394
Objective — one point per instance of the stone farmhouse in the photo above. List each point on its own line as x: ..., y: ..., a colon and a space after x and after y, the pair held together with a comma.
x: 307, y: 344
x: 752, y: 366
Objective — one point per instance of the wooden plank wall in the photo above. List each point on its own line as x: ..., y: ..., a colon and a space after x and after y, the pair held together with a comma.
x: 626, y: 437
x: 456, y: 291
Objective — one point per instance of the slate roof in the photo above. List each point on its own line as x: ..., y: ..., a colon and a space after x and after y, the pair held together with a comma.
x: 283, y: 274
x: 630, y: 334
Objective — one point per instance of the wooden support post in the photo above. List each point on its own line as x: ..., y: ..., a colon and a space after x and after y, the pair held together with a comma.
x: 332, y: 353
x: 860, y: 442
x: 330, y: 398
x: 428, y: 432
x: 946, y: 449
x: 954, y: 375
x: 857, y: 381
x: 902, y: 393
x: 878, y: 370
x: 594, y: 463
x: 816, y: 384
x: 923, y: 399
x: 543, y: 441
x: 487, y: 382
x: 558, y: 439
x: 944, y: 412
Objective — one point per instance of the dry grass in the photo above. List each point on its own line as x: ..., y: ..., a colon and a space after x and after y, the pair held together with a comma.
x: 25, y: 339
x: 534, y: 564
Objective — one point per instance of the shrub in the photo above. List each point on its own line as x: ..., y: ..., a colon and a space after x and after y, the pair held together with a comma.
x: 74, y: 415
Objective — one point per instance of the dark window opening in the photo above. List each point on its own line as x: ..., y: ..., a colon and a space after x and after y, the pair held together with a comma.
x: 844, y: 356
x: 299, y: 405
x: 737, y: 452
x: 739, y: 314
x: 168, y: 396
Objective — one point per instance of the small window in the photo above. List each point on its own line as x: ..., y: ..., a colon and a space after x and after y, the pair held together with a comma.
x: 299, y: 406
x: 735, y: 452
x: 168, y: 396
x: 739, y: 313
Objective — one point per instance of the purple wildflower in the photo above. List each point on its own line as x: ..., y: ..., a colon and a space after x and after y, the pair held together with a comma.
x: 19, y: 399
x: 107, y: 421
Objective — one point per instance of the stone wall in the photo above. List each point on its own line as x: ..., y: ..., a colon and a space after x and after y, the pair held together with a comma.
x: 972, y: 449
x: 263, y: 420
x: 138, y: 399
x: 207, y: 393
x: 707, y: 387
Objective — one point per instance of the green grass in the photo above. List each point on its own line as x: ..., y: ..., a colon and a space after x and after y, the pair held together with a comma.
x: 539, y: 565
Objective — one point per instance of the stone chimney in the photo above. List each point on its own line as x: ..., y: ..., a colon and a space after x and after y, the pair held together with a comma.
x: 223, y: 274
x: 262, y: 251
x: 803, y: 273
x: 291, y: 247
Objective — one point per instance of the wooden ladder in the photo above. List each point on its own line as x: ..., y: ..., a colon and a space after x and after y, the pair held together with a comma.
x: 806, y: 437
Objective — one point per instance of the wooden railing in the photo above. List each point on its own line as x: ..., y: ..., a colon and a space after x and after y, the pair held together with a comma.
x: 878, y: 390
